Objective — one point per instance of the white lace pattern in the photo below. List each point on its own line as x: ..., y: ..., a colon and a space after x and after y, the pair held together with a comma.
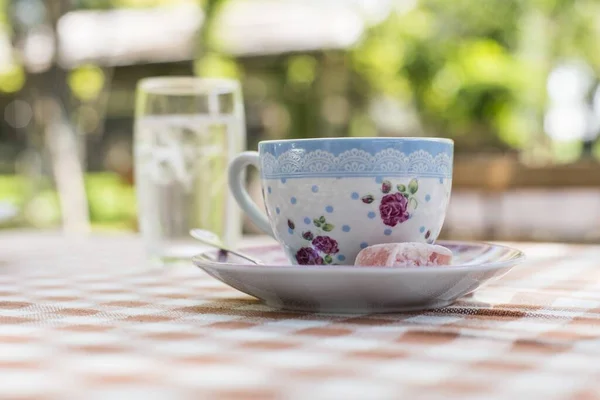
x: 356, y: 162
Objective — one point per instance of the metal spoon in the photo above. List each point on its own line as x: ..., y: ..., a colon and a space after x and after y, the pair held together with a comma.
x: 211, y: 239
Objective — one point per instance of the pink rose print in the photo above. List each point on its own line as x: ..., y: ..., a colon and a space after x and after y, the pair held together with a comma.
x: 308, y: 256
x: 325, y: 244
x: 393, y: 209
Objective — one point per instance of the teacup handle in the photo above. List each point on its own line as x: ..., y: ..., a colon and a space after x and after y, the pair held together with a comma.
x: 237, y: 185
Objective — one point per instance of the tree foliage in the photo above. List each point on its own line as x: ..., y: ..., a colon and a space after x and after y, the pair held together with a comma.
x: 476, y: 71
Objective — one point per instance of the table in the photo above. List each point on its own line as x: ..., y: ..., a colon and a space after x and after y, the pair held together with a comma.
x: 85, y: 317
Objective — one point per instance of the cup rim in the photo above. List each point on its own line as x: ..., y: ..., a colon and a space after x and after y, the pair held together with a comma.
x: 377, y: 138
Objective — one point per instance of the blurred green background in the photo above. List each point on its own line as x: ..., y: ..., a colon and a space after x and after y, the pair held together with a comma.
x: 506, y: 79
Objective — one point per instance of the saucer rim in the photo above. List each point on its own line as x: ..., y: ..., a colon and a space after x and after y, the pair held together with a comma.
x: 200, y: 260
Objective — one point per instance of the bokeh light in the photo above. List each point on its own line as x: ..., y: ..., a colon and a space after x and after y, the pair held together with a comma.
x: 12, y: 79
x: 18, y: 114
x: 86, y: 82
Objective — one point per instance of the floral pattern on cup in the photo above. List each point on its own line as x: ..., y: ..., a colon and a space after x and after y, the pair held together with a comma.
x: 325, y: 245
x: 308, y: 256
x: 394, y: 207
x: 322, y: 247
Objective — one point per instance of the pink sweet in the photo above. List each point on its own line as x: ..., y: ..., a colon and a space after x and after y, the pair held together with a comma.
x: 403, y: 255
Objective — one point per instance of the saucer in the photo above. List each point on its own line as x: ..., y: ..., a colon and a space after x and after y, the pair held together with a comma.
x: 351, y: 289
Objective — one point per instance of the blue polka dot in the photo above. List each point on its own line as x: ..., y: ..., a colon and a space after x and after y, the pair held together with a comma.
x: 371, y: 214
x: 387, y: 232
x: 422, y: 229
x: 379, y: 179
x: 355, y: 196
x: 363, y: 245
x: 283, y: 180
x: 315, y: 189
x: 341, y: 257
x: 329, y: 209
x: 290, y: 231
x: 293, y: 200
x: 269, y: 189
x: 346, y: 228
x: 277, y: 210
x: 307, y: 221
x: 441, y: 180
x: 427, y: 197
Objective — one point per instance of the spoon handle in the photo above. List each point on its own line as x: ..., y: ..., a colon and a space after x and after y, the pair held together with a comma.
x: 211, y: 239
x: 223, y: 252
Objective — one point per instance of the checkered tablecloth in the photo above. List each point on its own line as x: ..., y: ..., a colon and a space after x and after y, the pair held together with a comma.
x: 86, y: 318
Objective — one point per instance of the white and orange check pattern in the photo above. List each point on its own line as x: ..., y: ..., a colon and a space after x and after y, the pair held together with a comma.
x: 85, y: 318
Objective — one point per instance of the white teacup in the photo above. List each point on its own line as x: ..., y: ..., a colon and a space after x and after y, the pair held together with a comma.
x: 326, y: 199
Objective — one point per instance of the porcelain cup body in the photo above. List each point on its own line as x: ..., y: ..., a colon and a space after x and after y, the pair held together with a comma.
x: 326, y: 199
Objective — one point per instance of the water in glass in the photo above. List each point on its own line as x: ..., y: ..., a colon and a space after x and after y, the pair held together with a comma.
x: 181, y: 175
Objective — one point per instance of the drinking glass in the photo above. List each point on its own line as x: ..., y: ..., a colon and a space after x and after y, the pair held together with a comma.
x: 186, y: 131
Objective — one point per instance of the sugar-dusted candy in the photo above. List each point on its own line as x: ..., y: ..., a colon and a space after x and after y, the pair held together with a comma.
x: 403, y: 255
